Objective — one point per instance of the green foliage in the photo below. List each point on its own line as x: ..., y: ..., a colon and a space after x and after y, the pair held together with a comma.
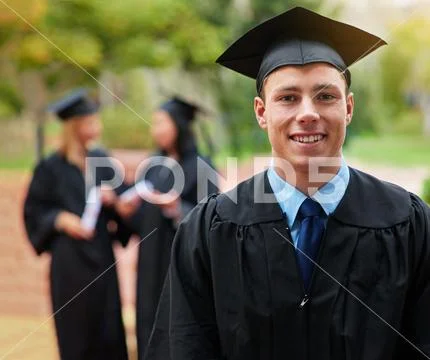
x: 16, y: 145
x: 363, y: 119
x: 10, y: 102
x: 215, y: 12
x: 200, y: 43
x: 407, y: 123
x: 134, y: 33
x: 81, y: 46
x: 396, y: 150
x: 406, y: 64
x: 426, y: 191
x: 143, y: 50
x: 6, y: 111
x: 11, y: 12
x: 236, y: 97
x: 123, y: 129
x: 263, y: 9
x: 371, y: 115
x: 34, y: 51
x: 116, y: 35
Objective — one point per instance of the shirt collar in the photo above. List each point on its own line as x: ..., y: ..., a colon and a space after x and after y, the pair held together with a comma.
x: 290, y: 198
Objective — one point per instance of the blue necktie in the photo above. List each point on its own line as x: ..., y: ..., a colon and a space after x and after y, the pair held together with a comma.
x: 311, y: 232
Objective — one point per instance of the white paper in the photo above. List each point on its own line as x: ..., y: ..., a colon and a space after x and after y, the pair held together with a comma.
x: 92, y: 209
x: 140, y: 189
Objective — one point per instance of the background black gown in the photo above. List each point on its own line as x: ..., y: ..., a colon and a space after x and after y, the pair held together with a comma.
x: 235, y: 291
x: 154, y: 251
x: 84, y: 284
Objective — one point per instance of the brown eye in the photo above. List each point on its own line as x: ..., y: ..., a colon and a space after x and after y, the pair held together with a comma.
x: 326, y: 97
x: 289, y: 98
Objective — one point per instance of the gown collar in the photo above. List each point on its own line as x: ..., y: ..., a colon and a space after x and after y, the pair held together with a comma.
x: 368, y: 202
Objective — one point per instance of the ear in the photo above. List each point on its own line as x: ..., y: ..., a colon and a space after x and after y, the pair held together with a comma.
x: 349, y: 107
x: 260, y: 109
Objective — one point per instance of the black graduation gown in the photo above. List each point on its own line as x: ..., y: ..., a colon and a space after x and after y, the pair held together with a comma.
x: 154, y: 251
x: 83, y: 282
x: 236, y: 292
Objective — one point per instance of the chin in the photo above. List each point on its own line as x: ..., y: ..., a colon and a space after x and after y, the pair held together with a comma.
x: 91, y: 143
x: 301, y: 166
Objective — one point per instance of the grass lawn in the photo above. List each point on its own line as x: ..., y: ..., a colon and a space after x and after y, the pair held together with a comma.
x: 22, y: 162
x: 392, y: 150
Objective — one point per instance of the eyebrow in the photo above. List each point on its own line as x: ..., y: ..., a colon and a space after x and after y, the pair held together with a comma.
x: 315, y: 88
x: 325, y: 86
x: 288, y: 88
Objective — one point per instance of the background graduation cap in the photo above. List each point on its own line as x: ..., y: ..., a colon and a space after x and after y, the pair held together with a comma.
x: 181, y: 110
x: 184, y: 112
x: 76, y: 103
x: 298, y: 37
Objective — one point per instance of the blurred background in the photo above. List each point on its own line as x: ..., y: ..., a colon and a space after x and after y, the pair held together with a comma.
x: 136, y: 53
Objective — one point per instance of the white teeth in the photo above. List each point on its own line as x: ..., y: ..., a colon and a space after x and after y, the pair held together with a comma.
x: 308, y: 139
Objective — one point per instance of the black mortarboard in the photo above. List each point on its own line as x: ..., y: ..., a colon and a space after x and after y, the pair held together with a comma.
x: 182, y: 111
x: 77, y: 103
x: 298, y: 37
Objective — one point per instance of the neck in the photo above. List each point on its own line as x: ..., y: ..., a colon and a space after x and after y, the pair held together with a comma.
x: 311, y: 177
x: 76, y: 154
x: 173, y: 154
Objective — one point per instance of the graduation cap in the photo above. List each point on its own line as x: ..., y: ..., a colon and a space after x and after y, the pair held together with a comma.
x: 183, y: 113
x: 181, y: 110
x: 77, y: 103
x: 298, y: 37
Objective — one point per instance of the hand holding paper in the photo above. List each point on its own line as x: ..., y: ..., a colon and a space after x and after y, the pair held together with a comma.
x: 70, y: 224
x: 92, y: 209
x: 140, y: 190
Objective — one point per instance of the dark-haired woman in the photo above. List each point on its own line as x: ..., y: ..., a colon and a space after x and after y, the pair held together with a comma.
x: 177, y: 153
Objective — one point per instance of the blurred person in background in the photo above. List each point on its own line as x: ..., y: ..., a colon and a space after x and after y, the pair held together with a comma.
x: 174, y: 138
x: 83, y: 278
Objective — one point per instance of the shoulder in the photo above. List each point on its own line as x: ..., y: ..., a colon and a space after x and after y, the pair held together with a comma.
x: 419, y: 211
x: 49, y: 163
x: 47, y: 171
x: 250, y: 202
x: 101, y: 158
x: 98, y: 152
x: 203, y: 213
x: 371, y: 202
x: 240, y: 196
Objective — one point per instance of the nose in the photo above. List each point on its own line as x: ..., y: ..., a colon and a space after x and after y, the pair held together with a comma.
x: 307, y: 112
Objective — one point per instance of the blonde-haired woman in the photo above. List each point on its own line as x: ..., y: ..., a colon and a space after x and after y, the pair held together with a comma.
x: 84, y: 286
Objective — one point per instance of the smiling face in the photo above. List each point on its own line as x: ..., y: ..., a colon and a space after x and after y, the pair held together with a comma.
x: 305, y: 112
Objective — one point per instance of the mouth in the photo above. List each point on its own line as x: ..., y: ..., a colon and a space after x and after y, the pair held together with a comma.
x: 307, y: 139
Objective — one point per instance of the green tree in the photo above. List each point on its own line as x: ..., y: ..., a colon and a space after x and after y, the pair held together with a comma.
x: 406, y: 70
x: 53, y: 46
x: 97, y: 35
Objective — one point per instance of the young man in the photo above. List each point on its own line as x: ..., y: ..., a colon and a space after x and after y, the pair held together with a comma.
x: 301, y: 266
